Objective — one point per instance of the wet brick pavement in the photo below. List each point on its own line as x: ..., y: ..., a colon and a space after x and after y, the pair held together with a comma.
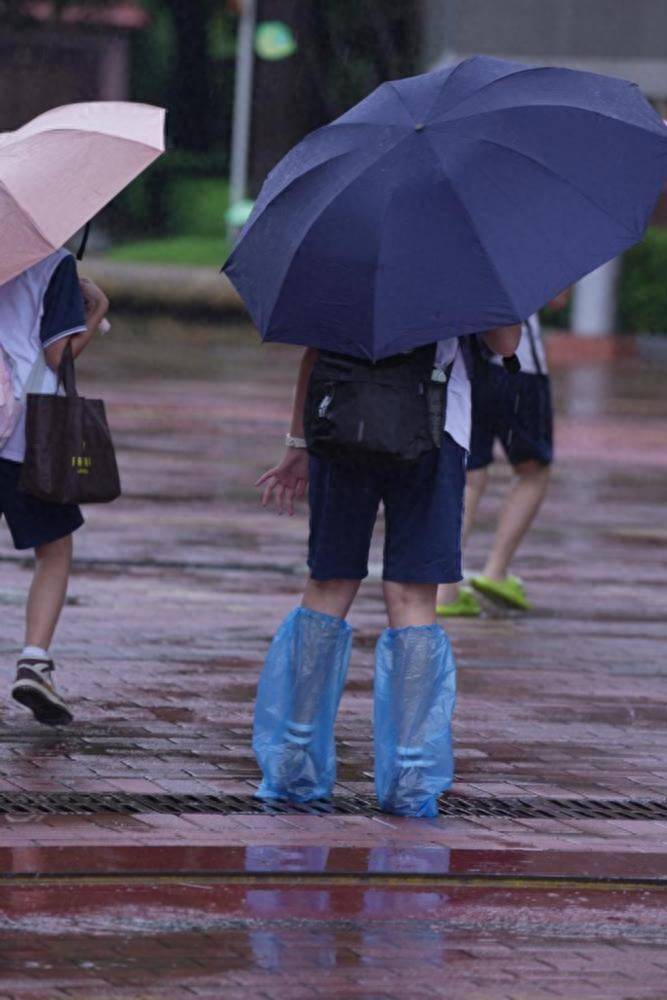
x: 177, y: 590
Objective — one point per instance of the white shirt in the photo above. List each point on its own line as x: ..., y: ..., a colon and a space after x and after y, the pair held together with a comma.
x: 21, y: 310
x: 459, y: 410
x: 530, y: 330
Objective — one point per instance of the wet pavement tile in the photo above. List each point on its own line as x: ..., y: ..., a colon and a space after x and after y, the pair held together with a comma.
x: 176, y: 592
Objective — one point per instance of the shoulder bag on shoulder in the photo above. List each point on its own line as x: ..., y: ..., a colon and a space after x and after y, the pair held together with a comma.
x: 69, y: 455
x: 394, y: 408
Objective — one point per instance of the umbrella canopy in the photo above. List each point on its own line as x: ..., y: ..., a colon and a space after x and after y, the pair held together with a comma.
x: 448, y: 203
x: 60, y: 169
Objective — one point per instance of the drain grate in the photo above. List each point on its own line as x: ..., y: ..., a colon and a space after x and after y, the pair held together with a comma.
x: 91, y: 804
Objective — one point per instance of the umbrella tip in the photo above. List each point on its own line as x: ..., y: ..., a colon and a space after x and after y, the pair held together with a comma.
x: 419, y: 127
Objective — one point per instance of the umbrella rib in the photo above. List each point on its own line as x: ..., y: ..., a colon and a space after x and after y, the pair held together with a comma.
x: 473, y: 227
x: 394, y: 89
x: 531, y: 69
x: 552, y: 106
x: 28, y: 218
x: 324, y: 208
x: 93, y: 131
x: 258, y: 212
x: 448, y: 80
x: 491, y: 83
x: 376, y: 266
x: 566, y: 180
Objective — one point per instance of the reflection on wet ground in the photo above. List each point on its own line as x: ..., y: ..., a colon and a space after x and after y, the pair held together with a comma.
x: 177, y: 591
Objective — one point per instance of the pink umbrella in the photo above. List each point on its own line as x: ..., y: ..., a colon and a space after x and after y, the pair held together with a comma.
x: 61, y: 168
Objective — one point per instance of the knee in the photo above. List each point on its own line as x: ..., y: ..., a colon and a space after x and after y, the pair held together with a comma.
x: 410, y: 603
x: 533, y: 470
x: 332, y: 597
x: 59, y: 551
x: 476, y: 480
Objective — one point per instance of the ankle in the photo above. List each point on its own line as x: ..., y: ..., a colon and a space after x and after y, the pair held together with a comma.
x: 494, y: 573
x: 34, y: 653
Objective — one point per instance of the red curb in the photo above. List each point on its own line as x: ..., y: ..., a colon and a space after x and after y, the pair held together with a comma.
x: 565, y: 349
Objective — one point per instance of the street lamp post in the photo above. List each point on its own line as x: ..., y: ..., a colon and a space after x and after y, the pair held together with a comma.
x: 242, y: 101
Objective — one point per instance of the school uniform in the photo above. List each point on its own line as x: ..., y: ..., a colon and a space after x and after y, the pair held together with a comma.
x: 423, y: 502
x: 305, y: 669
x: 514, y: 409
x: 37, y: 308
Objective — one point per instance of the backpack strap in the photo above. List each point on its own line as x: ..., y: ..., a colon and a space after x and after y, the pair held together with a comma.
x: 471, y: 351
x: 533, y: 346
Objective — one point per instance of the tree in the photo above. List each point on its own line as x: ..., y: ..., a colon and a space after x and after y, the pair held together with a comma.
x: 346, y: 49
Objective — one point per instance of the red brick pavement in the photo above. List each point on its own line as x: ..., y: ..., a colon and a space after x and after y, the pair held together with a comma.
x: 177, y: 591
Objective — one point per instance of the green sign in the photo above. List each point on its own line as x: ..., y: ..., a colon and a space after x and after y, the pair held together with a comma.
x: 274, y: 40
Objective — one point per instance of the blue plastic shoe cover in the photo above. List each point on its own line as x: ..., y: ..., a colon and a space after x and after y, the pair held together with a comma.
x: 297, y: 701
x: 415, y: 691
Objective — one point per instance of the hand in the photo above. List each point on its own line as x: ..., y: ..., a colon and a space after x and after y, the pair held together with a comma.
x: 94, y: 299
x: 289, y: 479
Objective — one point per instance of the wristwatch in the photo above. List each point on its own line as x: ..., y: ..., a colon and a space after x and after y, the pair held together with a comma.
x: 295, y: 442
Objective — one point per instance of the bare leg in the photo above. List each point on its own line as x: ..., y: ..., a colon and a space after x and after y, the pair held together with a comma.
x: 520, y: 507
x: 409, y: 603
x: 47, y: 591
x: 476, y: 482
x: 330, y: 597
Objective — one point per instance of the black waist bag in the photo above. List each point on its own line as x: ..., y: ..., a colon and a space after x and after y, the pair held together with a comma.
x: 391, y: 408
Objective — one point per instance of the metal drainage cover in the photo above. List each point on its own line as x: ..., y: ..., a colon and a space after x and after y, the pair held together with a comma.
x: 90, y: 804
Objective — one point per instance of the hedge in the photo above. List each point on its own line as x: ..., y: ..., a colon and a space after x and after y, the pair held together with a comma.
x: 643, y: 285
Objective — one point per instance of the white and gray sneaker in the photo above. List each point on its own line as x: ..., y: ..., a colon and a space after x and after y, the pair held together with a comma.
x: 34, y: 688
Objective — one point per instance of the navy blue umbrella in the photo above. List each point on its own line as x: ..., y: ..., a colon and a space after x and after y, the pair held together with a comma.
x: 448, y: 203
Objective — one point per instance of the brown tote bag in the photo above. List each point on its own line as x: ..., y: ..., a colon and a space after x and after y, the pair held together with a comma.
x: 69, y: 455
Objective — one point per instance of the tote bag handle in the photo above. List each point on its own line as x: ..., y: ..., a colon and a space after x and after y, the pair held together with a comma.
x: 66, y: 373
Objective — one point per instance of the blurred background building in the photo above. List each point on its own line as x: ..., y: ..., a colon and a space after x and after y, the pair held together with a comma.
x: 617, y: 37
x: 47, y: 61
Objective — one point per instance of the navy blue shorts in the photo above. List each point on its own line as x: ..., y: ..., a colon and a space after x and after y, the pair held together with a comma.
x: 33, y: 522
x: 423, y: 504
x: 516, y: 410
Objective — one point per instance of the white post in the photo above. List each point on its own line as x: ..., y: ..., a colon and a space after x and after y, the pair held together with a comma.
x: 245, y: 41
x: 594, y: 301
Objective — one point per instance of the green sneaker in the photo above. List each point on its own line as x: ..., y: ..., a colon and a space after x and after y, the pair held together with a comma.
x: 466, y: 605
x: 509, y: 591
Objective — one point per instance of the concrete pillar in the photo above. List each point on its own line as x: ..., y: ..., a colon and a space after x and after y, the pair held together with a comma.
x: 114, y: 69
x: 594, y: 301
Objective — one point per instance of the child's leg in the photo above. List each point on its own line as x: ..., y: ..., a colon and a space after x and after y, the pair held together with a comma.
x: 409, y: 604
x: 476, y: 483
x: 297, y: 701
x: 304, y: 672
x: 330, y: 597
x: 34, y: 686
x: 48, y: 590
x: 520, y: 507
x: 414, y: 701
x: 414, y: 665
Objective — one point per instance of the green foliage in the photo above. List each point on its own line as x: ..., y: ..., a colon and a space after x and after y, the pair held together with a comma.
x: 558, y: 319
x: 197, y: 205
x: 181, y: 193
x: 202, y: 251
x: 643, y: 290
x: 360, y: 46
